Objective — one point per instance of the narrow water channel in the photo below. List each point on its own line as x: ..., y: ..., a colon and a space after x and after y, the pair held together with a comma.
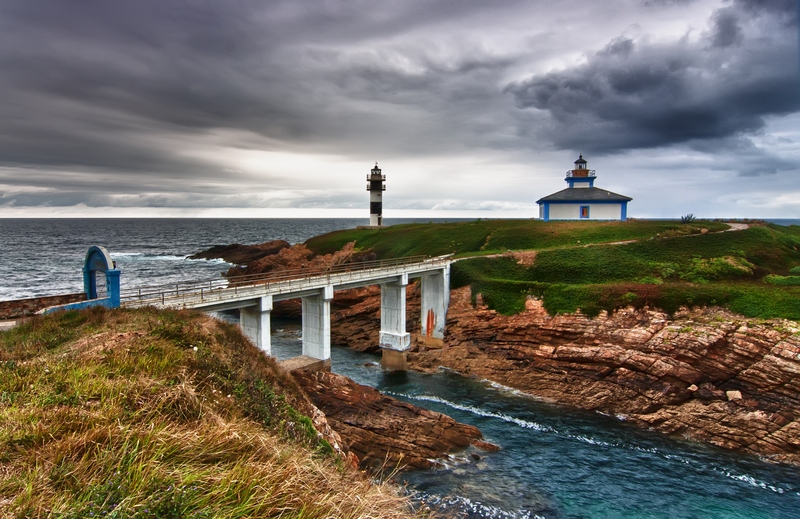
x: 558, y: 462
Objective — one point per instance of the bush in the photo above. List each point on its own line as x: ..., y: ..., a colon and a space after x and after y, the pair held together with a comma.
x: 786, y: 281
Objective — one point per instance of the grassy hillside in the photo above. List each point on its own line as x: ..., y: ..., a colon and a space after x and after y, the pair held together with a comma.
x: 748, y: 271
x: 755, y: 272
x: 146, y: 414
x: 492, y: 236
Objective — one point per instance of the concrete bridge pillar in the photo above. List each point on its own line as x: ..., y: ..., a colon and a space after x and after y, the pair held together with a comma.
x: 394, y: 341
x: 255, y: 323
x: 435, y: 300
x: 317, y: 324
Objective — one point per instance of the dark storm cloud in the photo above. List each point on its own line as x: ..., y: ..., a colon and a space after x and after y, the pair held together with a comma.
x: 154, y: 103
x: 90, y: 86
x: 644, y: 95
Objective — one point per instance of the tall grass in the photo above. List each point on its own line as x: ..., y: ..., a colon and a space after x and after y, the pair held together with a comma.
x: 145, y: 414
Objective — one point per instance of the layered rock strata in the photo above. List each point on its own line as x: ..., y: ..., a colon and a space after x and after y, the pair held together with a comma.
x: 706, y: 374
x: 384, y: 432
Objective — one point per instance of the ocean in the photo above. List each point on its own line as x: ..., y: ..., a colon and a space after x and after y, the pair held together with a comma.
x: 555, y: 462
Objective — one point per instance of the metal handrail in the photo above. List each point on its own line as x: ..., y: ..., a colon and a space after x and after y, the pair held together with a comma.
x: 589, y: 173
x: 171, y: 291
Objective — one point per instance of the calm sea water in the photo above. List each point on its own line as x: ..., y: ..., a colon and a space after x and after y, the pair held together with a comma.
x: 555, y: 462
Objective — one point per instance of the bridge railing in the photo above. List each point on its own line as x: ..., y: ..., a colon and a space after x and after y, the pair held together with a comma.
x: 201, y: 289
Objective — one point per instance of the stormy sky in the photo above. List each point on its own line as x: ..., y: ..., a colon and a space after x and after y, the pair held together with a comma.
x: 472, y: 108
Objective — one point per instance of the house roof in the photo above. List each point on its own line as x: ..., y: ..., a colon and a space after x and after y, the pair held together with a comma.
x: 586, y: 194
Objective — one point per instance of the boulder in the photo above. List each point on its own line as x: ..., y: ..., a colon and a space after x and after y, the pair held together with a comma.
x: 384, y: 432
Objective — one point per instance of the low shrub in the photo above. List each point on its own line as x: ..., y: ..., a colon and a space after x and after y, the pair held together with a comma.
x: 786, y: 281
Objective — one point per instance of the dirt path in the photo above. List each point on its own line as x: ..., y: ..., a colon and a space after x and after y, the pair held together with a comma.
x: 527, y: 257
x: 737, y: 226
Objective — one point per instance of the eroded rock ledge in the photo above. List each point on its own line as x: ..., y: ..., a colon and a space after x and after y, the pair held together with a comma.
x: 706, y: 374
x: 380, y: 429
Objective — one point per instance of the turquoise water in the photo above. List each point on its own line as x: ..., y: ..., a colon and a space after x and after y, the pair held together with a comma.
x: 558, y: 462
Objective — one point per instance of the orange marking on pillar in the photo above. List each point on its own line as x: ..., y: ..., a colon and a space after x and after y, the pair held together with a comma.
x: 430, y: 322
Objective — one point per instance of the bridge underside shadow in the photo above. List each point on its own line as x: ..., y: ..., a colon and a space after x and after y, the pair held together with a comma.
x: 394, y: 341
x: 254, y: 298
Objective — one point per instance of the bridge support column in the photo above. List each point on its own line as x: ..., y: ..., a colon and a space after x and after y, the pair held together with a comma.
x: 394, y: 341
x: 255, y: 323
x: 435, y: 300
x: 317, y: 325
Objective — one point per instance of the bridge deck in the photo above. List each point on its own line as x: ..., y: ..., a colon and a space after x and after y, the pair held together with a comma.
x: 243, y: 291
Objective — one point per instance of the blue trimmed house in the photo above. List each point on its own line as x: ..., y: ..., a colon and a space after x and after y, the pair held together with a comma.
x: 581, y: 200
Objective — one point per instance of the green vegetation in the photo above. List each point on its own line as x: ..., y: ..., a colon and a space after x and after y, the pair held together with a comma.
x: 732, y: 269
x: 146, y: 414
x: 582, y: 265
x: 493, y: 236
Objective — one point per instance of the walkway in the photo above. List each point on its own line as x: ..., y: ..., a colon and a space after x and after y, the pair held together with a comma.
x: 254, y: 296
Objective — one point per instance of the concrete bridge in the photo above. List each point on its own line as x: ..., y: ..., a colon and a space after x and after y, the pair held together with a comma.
x: 254, y: 295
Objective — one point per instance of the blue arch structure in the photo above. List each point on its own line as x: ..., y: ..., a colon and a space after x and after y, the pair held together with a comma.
x: 98, y: 262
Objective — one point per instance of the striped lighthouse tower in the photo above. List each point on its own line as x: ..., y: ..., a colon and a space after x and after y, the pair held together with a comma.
x: 376, y: 187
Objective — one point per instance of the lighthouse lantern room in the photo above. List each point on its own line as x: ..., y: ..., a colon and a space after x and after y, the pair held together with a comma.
x: 376, y: 187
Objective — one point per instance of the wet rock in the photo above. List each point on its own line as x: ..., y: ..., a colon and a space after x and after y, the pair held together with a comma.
x: 381, y: 430
x: 242, y: 254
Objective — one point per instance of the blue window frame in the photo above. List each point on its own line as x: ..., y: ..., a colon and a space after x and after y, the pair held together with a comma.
x: 584, y: 212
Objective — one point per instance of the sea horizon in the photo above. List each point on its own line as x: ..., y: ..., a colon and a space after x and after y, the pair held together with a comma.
x: 395, y: 220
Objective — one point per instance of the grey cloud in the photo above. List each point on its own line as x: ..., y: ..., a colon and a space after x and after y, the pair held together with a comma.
x: 726, y: 30
x: 640, y: 95
x: 197, y: 66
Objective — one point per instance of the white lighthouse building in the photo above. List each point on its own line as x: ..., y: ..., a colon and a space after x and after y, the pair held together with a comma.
x: 376, y: 187
x: 581, y: 200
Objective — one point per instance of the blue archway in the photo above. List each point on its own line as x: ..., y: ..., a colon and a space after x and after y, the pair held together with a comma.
x: 100, y: 282
x: 101, y: 277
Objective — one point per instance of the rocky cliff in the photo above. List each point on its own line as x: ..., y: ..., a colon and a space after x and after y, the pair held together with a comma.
x: 705, y: 374
x: 384, y: 432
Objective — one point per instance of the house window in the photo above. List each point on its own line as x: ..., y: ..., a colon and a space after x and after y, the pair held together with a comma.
x: 584, y: 211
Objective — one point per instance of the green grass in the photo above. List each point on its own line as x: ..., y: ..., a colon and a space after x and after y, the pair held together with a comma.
x: 578, y: 264
x: 740, y: 270
x: 146, y: 414
x: 489, y: 236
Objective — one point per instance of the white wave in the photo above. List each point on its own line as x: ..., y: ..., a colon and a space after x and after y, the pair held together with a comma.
x: 477, y: 411
x: 750, y: 480
x: 215, y: 261
x: 143, y: 256
x: 515, y: 392
x: 593, y: 441
x: 475, y: 508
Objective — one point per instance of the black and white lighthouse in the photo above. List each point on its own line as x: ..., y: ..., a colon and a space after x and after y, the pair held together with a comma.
x: 376, y: 187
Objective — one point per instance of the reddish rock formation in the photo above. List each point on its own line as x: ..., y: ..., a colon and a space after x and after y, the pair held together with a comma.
x: 16, y: 308
x: 299, y: 257
x: 382, y: 430
x: 670, y: 374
